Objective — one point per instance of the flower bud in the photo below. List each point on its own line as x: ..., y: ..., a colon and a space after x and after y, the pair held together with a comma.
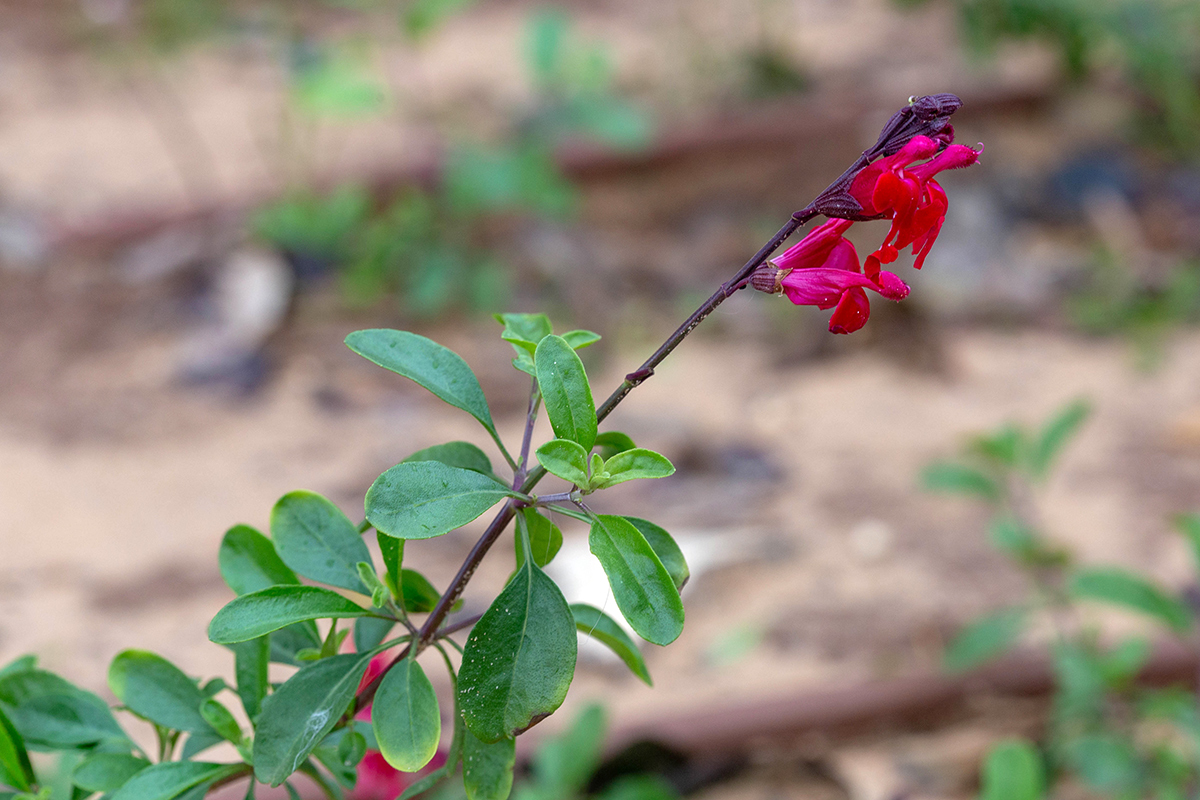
x: 768, y: 278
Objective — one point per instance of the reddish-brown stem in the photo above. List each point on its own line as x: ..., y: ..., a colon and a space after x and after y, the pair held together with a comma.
x: 926, y: 116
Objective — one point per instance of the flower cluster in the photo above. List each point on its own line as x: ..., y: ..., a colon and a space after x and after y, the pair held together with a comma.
x: 823, y: 269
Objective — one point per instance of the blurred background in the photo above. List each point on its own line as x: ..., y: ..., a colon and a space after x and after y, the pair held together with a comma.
x: 200, y: 198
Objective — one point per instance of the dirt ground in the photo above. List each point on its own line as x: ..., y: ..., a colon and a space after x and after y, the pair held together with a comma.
x: 817, y: 560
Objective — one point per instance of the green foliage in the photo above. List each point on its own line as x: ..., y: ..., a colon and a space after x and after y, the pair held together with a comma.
x: 1131, y: 591
x: 641, y: 585
x: 519, y: 658
x: 409, y: 732
x: 258, y: 613
x: 488, y: 768
x: 1013, y: 771
x: 249, y: 562
x: 15, y: 769
x: 566, y: 459
x: 424, y: 499
x: 172, y: 778
x: 1151, y: 41
x: 565, y: 391
x: 439, y: 369
x: 595, y: 623
x: 665, y: 548
x: 297, y: 715
x: 315, y: 538
x: 104, y: 772
x: 1119, y: 739
x: 984, y: 639
x: 545, y: 539
x: 1117, y: 300
x: 633, y: 464
x: 157, y: 690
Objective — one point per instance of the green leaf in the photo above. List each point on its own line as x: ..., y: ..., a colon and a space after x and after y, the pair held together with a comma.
x: 639, y: 787
x: 351, y: 748
x: 106, y: 772
x: 258, y: 613
x: 171, y: 779
x: 665, y: 548
x: 566, y: 459
x: 379, y: 591
x: 635, y: 464
x: 248, y: 561
x: 566, y: 762
x: 1117, y: 586
x: 1013, y: 771
x: 613, y: 442
x: 984, y: 639
x: 437, y: 368
x: 1013, y: 537
x: 199, y: 742
x: 297, y: 715
x: 55, y: 714
x: 488, y: 768
x: 1107, y: 762
x: 580, y: 339
x: 641, y: 585
x: 21, y: 664
x: 566, y: 391
x: 463, y: 455
x: 519, y: 658
x: 15, y: 769
x: 154, y: 688
x: 426, y: 499
x: 1004, y: 448
x: 392, y: 550
x: 524, y: 331
x: 317, y: 540
x: 1055, y: 435
x: 423, y: 16
x: 405, y: 717
x: 545, y: 538
x: 369, y: 632
x: 250, y: 660
x: 603, y: 628
x: 949, y: 477
x: 221, y: 720
x: 417, y: 594
x: 287, y: 644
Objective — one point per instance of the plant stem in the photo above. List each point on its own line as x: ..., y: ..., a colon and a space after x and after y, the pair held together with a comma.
x: 429, y: 630
x: 535, y: 399
x: 738, y: 281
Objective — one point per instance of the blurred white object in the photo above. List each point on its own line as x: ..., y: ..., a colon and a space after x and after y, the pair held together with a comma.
x: 250, y: 299
x: 582, y: 580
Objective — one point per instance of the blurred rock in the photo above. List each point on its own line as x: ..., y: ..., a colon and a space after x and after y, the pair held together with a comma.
x: 249, y: 301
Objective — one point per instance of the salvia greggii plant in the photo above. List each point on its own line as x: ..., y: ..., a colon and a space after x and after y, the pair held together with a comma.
x: 350, y: 704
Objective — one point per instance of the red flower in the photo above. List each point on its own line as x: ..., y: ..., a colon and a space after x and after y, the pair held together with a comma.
x: 909, y: 196
x: 822, y: 270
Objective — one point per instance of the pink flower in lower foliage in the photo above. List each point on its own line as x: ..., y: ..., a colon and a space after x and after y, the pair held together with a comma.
x: 893, y: 188
x: 377, y: 779
x: 823, y: 270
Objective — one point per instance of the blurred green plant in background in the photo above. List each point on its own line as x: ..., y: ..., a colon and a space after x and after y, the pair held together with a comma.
x: 1117, y: 738
x: 423, y: 247
x: 1153, y: 44
x: 1116, y: 300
